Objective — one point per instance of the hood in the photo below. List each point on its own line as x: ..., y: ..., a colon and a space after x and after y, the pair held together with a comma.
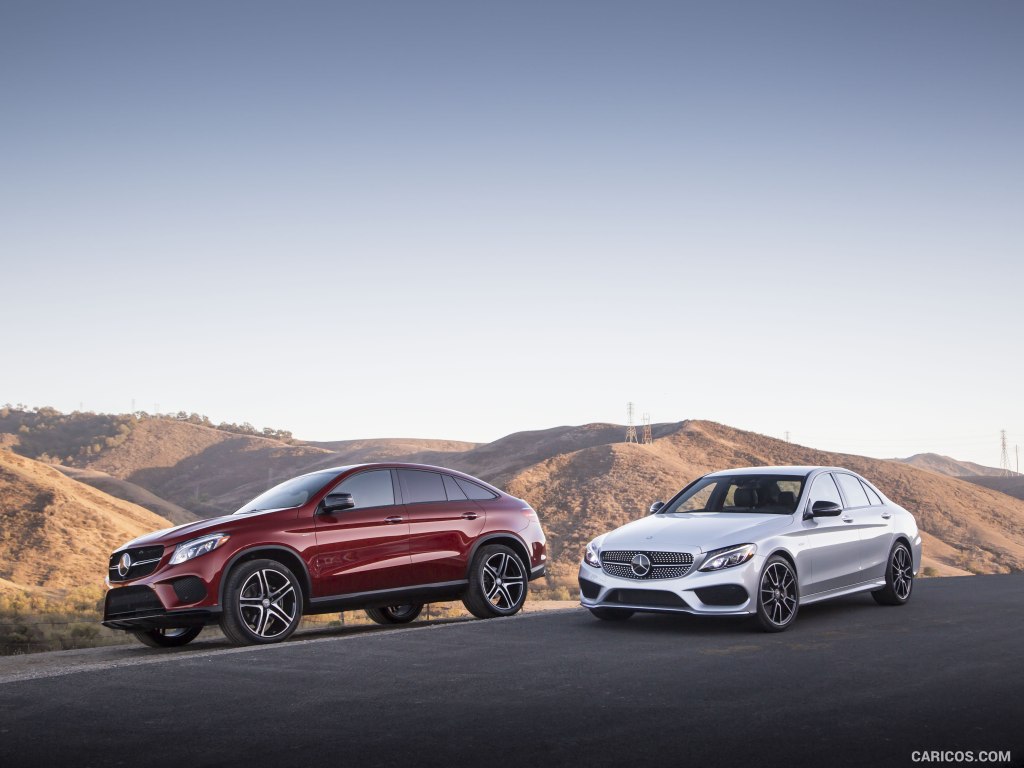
x: 690, y: 532
x: 180, y: 533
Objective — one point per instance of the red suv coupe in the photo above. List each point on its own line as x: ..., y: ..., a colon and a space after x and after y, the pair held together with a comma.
x: 388, y: 538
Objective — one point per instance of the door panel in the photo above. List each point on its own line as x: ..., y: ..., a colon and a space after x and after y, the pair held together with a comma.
x: 833, y: 544
x: 875, y: 531
x: 441, y: 533
x: 366, y: 548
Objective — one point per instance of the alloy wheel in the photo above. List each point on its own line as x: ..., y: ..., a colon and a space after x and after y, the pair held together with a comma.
x: 778, y: 593
x: 267, y: 603
x: 902, y: 573
x: 399, y: 612
x: 504, y: 581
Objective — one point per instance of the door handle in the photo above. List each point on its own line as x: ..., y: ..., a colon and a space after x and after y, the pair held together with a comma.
x: 470, y: 515
x: 847, y: 519
x: 886, y: 515
x: 393, y: 519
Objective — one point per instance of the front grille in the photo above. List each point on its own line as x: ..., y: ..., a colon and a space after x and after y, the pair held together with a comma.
x: 189, y: 589
x: 144, y: 562
x: 131, y: 600
x: 652, y: 597
x: 664, y: 565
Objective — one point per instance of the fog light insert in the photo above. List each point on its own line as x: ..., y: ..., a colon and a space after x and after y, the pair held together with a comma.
x: 722, y: 594
x: 589, y: 589
x: 189, y: 589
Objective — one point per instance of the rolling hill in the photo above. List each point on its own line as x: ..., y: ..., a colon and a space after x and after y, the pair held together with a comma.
x: 55, y: 533
x: 944, y: 465
x: 581, y: 479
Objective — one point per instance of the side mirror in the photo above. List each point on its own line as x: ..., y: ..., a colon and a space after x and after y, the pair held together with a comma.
x: 825, y: 509
x: 656, y: 506
x: 336, y: 502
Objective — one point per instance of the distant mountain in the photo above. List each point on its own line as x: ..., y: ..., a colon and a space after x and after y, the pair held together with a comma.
x: 944, y: 465
x: 583, y: 480
x: 56, y: 533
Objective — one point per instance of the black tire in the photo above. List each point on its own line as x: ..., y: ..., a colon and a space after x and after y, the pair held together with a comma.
x: 262, y: 603
x: 778, y: 595
x: 498, y: 583
x: 167, y: 638
x: 395, y: 614
x: 899, y: 577
x: 611, y: 614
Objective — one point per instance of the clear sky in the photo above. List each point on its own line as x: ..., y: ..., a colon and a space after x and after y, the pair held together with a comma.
x: 461, y: 220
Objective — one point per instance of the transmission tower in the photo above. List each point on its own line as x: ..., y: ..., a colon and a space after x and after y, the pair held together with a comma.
x: 647, y: 439
x: 630, y: 427
x: 1004, y: 461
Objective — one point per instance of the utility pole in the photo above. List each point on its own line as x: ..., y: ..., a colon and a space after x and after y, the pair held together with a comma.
x: 1004, y: 459
x: 647, y: 430
x: 787, y: 435
x: 1016, y: 449
x: 630, y: 427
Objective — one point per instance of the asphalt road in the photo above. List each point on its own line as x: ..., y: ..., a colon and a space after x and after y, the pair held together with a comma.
x: 851, y: 683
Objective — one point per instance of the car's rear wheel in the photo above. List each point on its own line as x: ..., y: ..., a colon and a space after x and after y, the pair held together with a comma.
x: 262, y: 603
x: 497, y: 583
x: 899, y: 577
x: 778, y: 595
x: 167, y: 638
x: 395, y: 614
x: 611, y: 614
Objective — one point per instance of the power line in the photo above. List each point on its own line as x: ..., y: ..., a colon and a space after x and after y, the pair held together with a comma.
x: 647, y: 429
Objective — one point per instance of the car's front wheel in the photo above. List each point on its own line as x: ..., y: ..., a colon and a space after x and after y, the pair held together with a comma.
x: 899, y: 577
x: 395, y: 614
x: 497, y: 583
x: 167, y: 638
x: 262, y: 603
x: 778, y: 595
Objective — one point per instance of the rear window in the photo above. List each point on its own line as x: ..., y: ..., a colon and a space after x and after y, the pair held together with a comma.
x: 875, y: 499
x: 419, y: 487
x: 452, y: 488
x: 474, y: 491
x: 852, y: 490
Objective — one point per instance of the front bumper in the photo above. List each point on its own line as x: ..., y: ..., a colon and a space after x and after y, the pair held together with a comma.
x: 728, y: 592
x: 177, y: 596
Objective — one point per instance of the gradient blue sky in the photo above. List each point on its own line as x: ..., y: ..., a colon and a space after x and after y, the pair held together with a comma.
x: 461, y: 220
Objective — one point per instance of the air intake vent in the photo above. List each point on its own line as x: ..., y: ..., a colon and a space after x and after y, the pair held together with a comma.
x: 589, y: 589
x: 131, y: 600
x: 189, y: 589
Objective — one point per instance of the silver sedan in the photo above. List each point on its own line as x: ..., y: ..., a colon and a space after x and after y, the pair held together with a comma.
x: 759, y: 541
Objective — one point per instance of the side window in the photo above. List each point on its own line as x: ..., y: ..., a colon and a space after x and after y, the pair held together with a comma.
x: 474, y: 491
x: 419, y: 486
x: 853, y: 490
x: 369, y: 489
x: 452, y: 489
x: 874, y: 498
x: 824, y: 489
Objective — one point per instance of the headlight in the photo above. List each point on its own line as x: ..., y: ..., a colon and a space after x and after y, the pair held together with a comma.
x: 728, y: 557
x: 592, y: 556
x: 197, y: 547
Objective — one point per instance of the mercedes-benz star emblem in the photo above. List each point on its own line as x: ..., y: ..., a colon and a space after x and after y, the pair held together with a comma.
x: 641, y: 564
x: 124, y: 565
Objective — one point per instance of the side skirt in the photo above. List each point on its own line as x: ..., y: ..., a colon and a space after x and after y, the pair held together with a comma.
x: 862, y: 587
x: 427, y: 593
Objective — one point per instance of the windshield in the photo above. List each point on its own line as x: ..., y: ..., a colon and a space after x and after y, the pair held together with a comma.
x: 769, y: 494
x: 290, y: 493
